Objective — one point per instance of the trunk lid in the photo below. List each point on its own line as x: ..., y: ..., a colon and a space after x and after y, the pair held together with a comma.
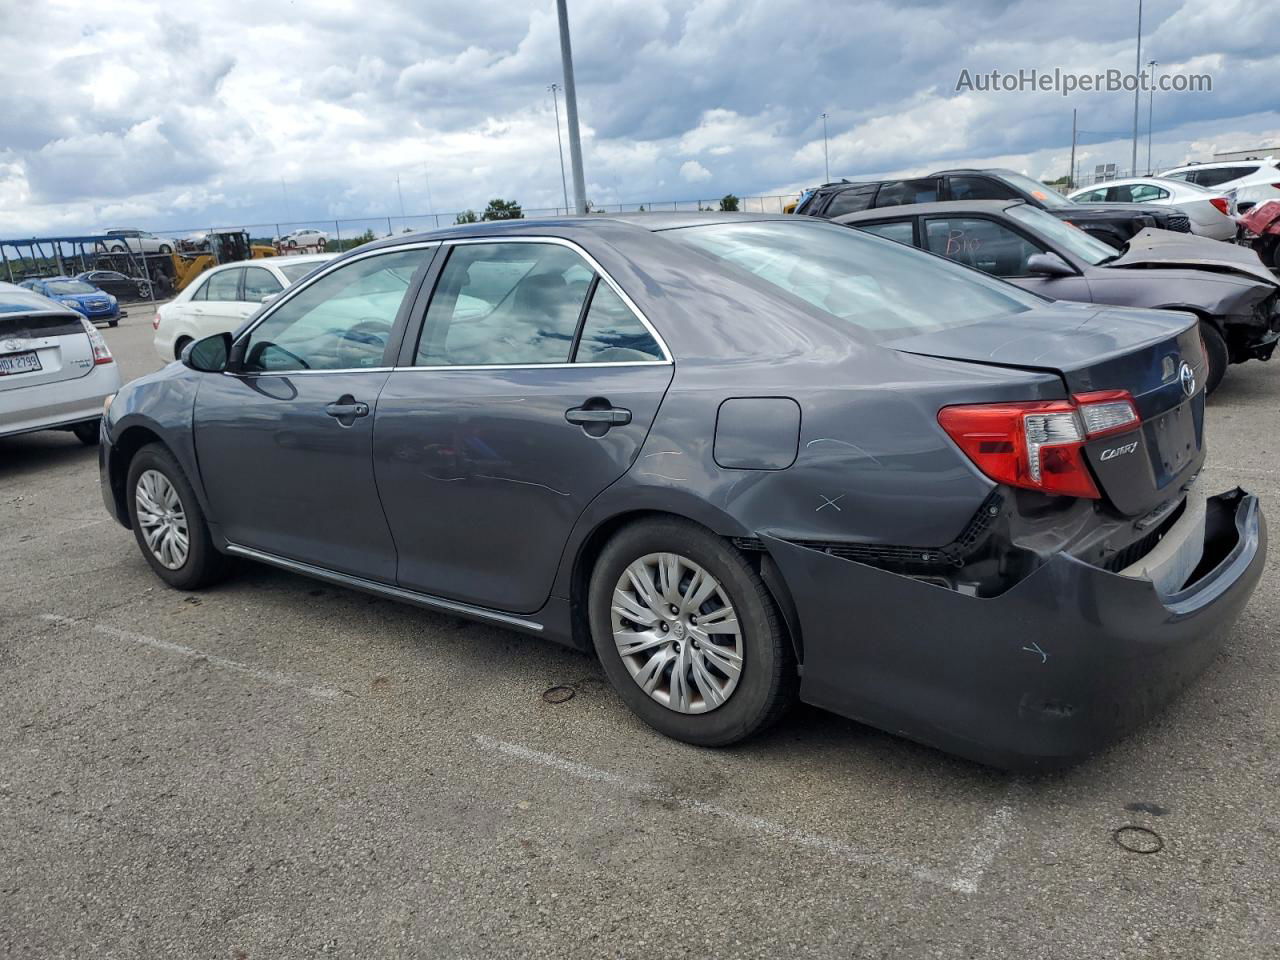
x: 1092, y: 348
x: 57, y: 341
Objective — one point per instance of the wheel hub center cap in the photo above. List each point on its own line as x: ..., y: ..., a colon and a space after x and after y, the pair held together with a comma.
x: 677, y: 630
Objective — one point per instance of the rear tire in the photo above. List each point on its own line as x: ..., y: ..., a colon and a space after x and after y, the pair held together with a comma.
x: 180, y: 346
x: 1216, y: 356
x: 165, y: 248
x: 766, y: 684
x: 113, y: 323
x: 201, y: 564
x: 87, y: 432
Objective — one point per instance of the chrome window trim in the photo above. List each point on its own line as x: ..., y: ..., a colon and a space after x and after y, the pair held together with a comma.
x: 600, y: 272
x: 290, y: 291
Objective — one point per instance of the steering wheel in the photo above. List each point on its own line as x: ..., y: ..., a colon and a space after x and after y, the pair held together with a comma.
x: 355, y: 343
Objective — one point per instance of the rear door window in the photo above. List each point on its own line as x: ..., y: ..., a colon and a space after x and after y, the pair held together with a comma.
x: 505, y: 303
x: 1146, y: 192
x: 258, y: 283
x: 983, y: 244
x: 897, y: 193
x: 224, y: 285
x: 903, y: 231
x: 980, y: 188
x: 853, y: 200
x: 611, y: 333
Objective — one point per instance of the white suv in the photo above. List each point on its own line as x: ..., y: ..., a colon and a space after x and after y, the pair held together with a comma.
x: 1248, y: 181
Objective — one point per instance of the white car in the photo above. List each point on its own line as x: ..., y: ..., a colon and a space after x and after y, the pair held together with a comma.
x: 306, y: 237
x: 221, y: 299
x: 1249, y: 181
x: 55, y: 368
x: 1208, y: 210
x: 138, y: 241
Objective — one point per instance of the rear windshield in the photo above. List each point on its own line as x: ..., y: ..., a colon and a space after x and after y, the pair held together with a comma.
x: 36, y: 328
x: 881, y: 286
x: 70, y: 286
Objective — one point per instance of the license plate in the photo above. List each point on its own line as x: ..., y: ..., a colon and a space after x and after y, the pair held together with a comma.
x: 27, y: 362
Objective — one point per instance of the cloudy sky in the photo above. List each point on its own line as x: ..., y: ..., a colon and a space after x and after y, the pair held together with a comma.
x: 179, y: 115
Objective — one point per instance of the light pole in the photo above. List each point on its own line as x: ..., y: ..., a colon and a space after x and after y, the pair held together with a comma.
x: 826, y: 157
x: 571, y: 112
x: 564, y: 184
x: 1137, y: 92
x: 400, y: 195
x: 1151, y: 106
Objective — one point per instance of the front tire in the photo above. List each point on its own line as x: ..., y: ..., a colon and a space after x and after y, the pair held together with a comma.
x: 688, y: 634
x: 165, y: 248
x: 1216, y: 356
x: 180, y: 346
x: 87, y: 432
x: 168, y: 523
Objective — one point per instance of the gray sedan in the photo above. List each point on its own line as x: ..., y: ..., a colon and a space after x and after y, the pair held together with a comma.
x: 1226, y: 286
x: 739, y: 458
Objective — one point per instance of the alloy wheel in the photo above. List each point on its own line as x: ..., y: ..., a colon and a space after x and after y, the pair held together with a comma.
x: 162, y: 519
x: 677, y: 632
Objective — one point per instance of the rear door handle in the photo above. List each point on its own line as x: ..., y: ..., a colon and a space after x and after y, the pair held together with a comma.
x: 608, y: 416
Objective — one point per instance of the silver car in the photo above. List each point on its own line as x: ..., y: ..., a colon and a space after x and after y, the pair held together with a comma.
x: 55, y: 368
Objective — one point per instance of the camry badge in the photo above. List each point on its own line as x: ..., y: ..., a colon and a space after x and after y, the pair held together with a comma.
x: 1187, y: 377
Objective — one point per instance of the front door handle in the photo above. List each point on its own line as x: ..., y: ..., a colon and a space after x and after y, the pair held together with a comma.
x: 347, y: 409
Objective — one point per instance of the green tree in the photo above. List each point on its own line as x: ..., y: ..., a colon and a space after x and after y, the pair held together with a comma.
x: 467, y: 216
x: 729, y: 203
x: 503, y: 210
x: 641, y: 210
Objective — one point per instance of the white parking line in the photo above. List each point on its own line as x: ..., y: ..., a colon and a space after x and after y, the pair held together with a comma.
x: 991, y: 837
x: 266, y: 676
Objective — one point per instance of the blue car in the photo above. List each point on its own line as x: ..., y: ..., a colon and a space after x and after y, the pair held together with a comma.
x: 97, y: 305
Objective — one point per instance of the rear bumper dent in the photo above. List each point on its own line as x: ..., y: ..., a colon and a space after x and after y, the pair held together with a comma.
x: 1054, y: 669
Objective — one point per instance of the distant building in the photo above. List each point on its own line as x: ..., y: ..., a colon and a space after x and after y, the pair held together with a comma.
x: 1255, y: 153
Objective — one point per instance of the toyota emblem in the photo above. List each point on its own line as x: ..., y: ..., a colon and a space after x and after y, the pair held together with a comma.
x: 1187, y: 377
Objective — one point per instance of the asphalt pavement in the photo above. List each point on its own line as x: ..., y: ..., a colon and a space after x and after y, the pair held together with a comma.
x: 281, y: 768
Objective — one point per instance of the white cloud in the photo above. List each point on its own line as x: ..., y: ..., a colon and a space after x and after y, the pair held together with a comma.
x: 694, y: 172
x: 188, y: 115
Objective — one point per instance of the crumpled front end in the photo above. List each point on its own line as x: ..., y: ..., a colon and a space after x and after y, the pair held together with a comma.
x: 1061, y: 664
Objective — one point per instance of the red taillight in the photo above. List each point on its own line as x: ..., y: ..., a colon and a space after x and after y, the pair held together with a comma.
x: 101, y: 352
x: 155, y: 321
x: 1221, y: 204
x: 1039, y: 445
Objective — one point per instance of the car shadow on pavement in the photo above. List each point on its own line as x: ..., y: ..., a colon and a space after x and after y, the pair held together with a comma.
x: 30, y: 453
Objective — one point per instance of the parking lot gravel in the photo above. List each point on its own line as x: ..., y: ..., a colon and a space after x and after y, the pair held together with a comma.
x: 279, y: 768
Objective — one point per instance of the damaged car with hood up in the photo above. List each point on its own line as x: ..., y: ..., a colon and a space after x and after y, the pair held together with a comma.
x: 740, y: 458
x: 1225, y: 286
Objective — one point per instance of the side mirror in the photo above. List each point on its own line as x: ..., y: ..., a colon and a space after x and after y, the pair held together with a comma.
x: 209, y: 355
x: 269, y: 297
x: 1048, y: 265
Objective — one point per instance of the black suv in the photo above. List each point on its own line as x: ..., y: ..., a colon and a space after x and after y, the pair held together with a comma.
x: 1113, y: 223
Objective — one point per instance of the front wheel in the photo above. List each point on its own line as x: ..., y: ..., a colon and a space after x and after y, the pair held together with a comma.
x: 689, y: 635
x: 87, y: 432
x: 168, y: 523
x: 165, y: 248
x: 1216, y: 356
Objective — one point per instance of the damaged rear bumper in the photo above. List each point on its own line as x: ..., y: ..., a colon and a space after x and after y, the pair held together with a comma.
x: 1054, y: 669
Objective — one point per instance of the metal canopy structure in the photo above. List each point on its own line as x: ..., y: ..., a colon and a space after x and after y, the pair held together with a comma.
x: 69, y: 255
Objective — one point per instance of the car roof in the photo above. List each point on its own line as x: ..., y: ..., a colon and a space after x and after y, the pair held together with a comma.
x: 1219, y: 164
x: 920, y: 209
x: 583, y: 226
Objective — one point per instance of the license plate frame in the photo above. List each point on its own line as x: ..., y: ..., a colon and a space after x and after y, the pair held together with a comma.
x: 9, y: 363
